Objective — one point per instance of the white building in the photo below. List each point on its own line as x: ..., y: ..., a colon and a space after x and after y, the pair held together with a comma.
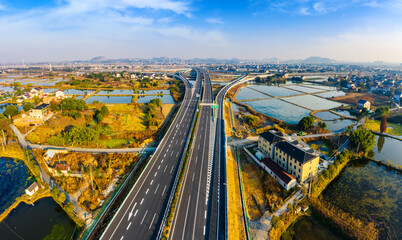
x: 32, y: 189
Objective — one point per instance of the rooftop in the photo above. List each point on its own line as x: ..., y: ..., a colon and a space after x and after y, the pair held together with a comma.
x: 284, y: 176
x: 273, y: 136
x: 32, y: 187
x: 42, y: 106
x: 295, y: 152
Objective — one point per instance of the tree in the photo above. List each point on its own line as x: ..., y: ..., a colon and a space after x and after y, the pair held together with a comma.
x: 306, y: 122
x: 383, y: 125
x: 28, y: 106
x: 62, y: 197
x: 11, y: 110
x: 2, y: 116
x: 322, y: 124
x: 382, y: 111
x: 70, y: 206
x: 251, y: 120
x: 55, y: 192
x: 362, y: 139
x: 275, y: 221
x: 290, y: 208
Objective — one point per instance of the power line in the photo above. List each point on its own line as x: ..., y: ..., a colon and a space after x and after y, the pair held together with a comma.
x: 12, y: 231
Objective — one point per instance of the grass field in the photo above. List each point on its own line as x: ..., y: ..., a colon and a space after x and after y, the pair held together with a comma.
x: 235, y: 213
x: 392, y: 128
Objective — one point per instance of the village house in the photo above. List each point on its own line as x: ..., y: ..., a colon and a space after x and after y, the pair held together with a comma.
x: 397, y: 96
x: 61, y: 166
x: 363, y: 104
x: 31, y: 190
x: 295, y: 158
x: 59, y: 94
x: 40, y: 112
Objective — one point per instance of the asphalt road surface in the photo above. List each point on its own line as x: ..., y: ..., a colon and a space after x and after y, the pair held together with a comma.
x: 141, y: 214
x: 190, y: 219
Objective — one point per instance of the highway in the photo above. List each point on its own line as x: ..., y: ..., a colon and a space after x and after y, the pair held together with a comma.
x: 142, y: 213
x: 190, y: 218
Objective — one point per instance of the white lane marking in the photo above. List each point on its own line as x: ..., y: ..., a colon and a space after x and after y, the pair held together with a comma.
x: 177, y: 155
x: 144, y: 217
x: 196, y: 159
x: 135, y: 214
x: 162, y: 160
x: 205, y: 215
x: 150, y: 225
x: 165, y: 169
x: 156, y: 189
x: 185, y: 219
x: 121, y: 237
x: 163, y: 192
x: 151, y: 182
x: 131, y: 213
x: 147, y: 191
x: 171, y: 169
x: 164, y: 155
x: 159, y: 167
x: 204, y: 230
x: 155, y: 174
x: 128, y: 225
x: 171, y: 154
x: 193, y: 178
x: 141, y: 201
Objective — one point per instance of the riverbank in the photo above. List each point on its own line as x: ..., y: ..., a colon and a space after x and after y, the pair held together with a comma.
x: 41, y: 193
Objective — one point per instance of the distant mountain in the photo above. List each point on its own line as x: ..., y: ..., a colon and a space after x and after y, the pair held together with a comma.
x: 98, y: 59
x: 318, y: 60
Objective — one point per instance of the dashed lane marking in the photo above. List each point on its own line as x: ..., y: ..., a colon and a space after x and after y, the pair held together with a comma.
x: 128, y: 225
x: 144, y: 217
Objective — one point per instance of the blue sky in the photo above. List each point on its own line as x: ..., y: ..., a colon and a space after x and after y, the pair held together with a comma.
x: 350, y: 30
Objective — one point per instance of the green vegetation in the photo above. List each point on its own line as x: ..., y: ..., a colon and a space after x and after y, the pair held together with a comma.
x: 382, y: 111
x: 10, y: 111
x: 73, y: 113
x: 177, y: 89
x: 362, y: 139
x: 322, y: 124
x: 28, y: 106
x: 306, y: 123
x: 76, y: 136
x: 392, y: 128
x: 100, y: 114
x: 275, y: 79
x: 252, y: 120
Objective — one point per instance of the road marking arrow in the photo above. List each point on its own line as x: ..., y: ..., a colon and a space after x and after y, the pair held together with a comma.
x: 131, y: 213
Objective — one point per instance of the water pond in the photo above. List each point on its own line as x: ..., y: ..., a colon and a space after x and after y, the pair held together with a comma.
x: 304, y: 89
x: 78, y: 91
x: 147, y: 98
x: 45, y: 220
x: 275, y: 90
x: 313, y: 102
x: 345, y: 113
x: 340, y: 124
x: 14, y: 179
x: 248, y: 94
x: 387, y: 149
x: 370, y: 191
x: 115, y: 92
x: 279, y: 109
x: 4, y: 105
x: 331, y: 94
x: 327, y: 115
x: 7, y: 89
x: 155, y: 92
x: 49, y: 90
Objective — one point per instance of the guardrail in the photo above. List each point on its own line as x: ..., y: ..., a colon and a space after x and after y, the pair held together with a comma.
x: 244, y: 206
x: 167, y: 209
x: 107, y: 205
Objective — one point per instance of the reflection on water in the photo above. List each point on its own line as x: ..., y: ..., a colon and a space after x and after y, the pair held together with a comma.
x: 248, y: 94
x: 339, y: 124
x: 387, y: 149
x: 327, y: 115
x: 279, y: 109
x: 274, y: 90
x: 14, y: 179
x: 313, y: 102
x: 44, y: 220
x: 370, y: 191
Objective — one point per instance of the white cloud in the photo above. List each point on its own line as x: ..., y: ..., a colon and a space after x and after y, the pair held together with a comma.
x: 2, y: 7
x: 80, y: 6
x: 214, y: 20
x: 304, y: 11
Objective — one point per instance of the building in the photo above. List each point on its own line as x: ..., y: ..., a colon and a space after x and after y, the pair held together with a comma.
x: 40, y: 112
x: 397, y: 96
x: 32, y: 189
x: 59, y: 94
x: 363, y: 104
x: 297, y: 159
x: 61, y: 166
x: 267, y: 140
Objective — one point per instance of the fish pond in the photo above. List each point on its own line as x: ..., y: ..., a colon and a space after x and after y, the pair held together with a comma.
x: 339, y: 124
x: 313, y: 102
x: 14, y: 179
x: 249, y: 94
x: 387, y: 149
x: 304, y: 89
x: 331, y: 94
x: 45, y: 220
x: 78, y: 91
x: 370, y: 191
x: 147, y: 98
x: 274, y: 91
x: 279, y: 109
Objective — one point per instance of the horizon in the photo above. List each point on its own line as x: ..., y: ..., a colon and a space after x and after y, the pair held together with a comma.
x: 360, y: 31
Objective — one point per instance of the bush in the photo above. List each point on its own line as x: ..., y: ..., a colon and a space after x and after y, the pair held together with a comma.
x: 362, y: 139
x: 306, y: 122
x: 28, y: 106
x: 251, y: 120
x: 11, y: 110
x: 74, y: 114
